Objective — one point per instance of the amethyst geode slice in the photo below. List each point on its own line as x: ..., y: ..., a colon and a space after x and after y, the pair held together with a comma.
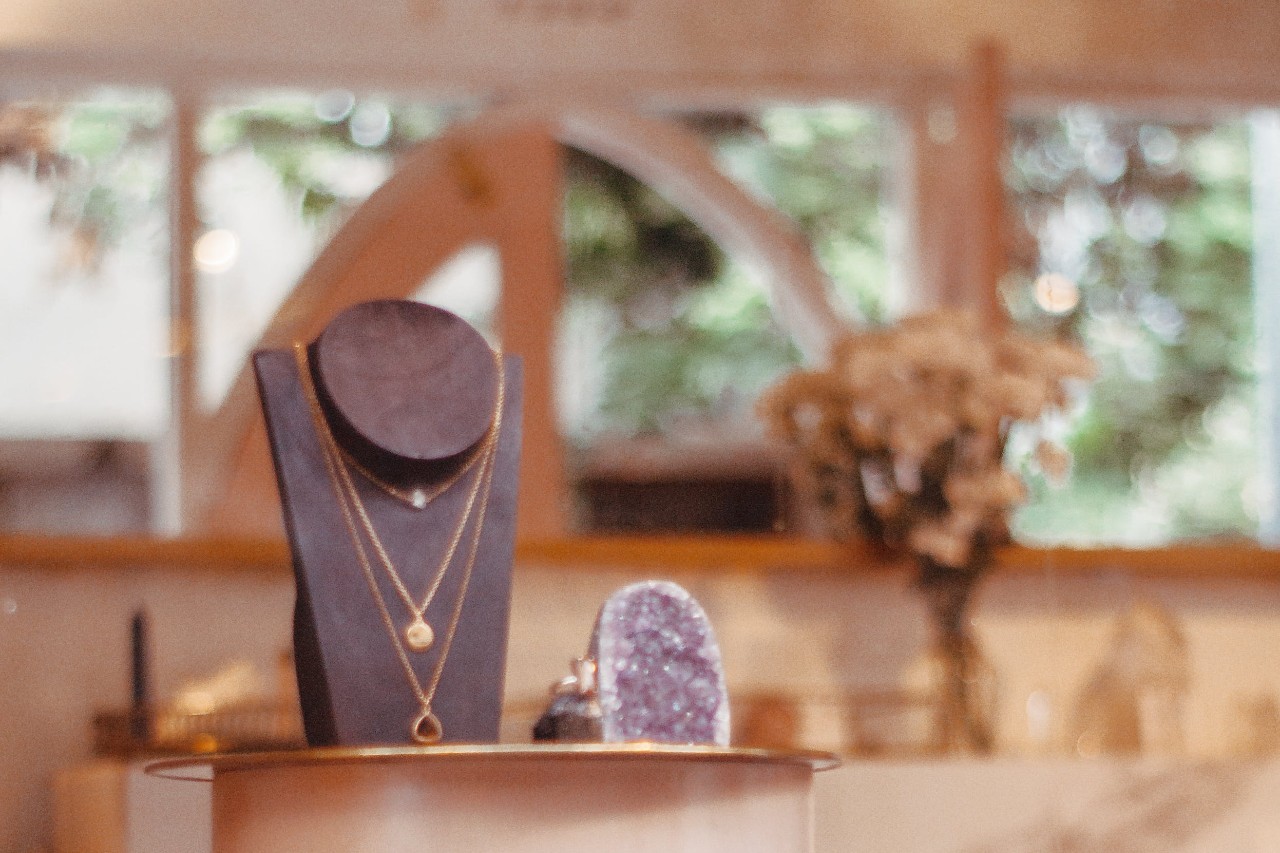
x: 659, y: 672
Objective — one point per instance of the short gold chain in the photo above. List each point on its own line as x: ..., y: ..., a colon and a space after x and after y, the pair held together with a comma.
x: 421, y: 498
x: 418, y: 498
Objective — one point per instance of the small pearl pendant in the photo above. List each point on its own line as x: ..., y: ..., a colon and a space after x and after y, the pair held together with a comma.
x: 418, y: 636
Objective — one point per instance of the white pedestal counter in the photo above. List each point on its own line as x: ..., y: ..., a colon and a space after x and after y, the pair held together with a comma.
x: 945, y: 806
x: 518, y: 799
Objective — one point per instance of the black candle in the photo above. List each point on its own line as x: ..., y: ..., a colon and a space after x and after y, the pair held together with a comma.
x: 141, y: 677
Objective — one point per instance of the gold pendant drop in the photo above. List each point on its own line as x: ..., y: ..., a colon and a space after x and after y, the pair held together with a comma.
x: 426, y: 728
x: 418, y: 636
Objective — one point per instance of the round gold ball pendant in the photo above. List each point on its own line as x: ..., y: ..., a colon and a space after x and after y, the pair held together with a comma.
x: 418, y: 636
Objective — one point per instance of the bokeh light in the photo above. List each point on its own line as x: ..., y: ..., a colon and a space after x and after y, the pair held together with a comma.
x: 370, y: 124
x: 217, y: 250
x: 1056, y: 294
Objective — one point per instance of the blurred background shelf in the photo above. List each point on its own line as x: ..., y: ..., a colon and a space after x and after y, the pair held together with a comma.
x: 714, y: 553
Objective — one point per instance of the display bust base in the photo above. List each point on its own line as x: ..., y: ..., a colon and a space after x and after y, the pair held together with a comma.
x: 633, y: 798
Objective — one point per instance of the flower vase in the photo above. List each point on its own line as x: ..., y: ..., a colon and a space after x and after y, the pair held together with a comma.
x: 964, y: 681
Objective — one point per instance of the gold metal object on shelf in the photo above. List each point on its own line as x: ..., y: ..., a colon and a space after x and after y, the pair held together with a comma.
x: 162, y: 731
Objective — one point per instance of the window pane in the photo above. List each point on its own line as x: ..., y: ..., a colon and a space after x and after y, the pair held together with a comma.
x: 84, y: 247
x: 469, y: 285
x: 662, y: 334
x: 827, y: 168
x: 1135, y: 237
x: 666, y: 343
x: 83, y: 308
x: 666, y: 330
x: 283, y: 171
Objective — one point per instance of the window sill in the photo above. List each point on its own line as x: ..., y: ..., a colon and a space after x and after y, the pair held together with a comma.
x: 693, y: 554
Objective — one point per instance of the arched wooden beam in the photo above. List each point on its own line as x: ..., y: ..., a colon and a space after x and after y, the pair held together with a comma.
x: 496, y: 180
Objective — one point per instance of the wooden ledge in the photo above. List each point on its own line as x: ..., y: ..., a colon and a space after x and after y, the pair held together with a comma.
x: 88, y: 552
x: 710, y: 554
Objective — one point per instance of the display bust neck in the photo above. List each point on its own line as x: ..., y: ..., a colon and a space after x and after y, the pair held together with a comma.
x: 407, y: 389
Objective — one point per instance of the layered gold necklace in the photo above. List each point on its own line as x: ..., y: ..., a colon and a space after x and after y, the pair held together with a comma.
x: 418, y: 636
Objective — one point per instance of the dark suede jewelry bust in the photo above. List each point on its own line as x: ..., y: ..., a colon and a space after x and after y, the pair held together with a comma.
x: 396, y: 444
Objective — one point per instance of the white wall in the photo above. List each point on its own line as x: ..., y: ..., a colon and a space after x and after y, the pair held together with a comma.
x: 64, y: 646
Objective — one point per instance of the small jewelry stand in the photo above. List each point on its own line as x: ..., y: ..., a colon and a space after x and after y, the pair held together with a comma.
x: 639, y: 798
x: 409, y: 394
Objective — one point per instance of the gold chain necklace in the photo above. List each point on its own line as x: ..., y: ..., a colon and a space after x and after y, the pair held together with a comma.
x: 426, y: 727
x: 419, y: 636
x: 416, y: 497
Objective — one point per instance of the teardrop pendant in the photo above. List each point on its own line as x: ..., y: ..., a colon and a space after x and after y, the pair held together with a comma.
x: 426, y: 728
x: 418, y: 636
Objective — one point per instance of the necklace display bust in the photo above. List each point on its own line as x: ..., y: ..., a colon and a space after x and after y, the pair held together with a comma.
x: 396, y: 438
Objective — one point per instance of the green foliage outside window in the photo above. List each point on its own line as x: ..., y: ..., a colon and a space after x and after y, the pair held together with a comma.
x: 686, y: 336
x: 314, y: 141
x: 1152, y: 222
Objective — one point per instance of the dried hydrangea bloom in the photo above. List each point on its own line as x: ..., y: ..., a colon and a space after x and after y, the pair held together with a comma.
x: 903, y: 432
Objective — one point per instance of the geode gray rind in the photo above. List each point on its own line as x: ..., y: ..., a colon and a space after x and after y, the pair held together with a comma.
x: 660, y: 673
x: 570, y: 719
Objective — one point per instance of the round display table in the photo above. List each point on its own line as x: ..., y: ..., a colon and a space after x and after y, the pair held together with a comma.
x: 632, y: 798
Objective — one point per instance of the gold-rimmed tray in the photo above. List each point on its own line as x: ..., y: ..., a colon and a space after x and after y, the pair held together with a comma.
x: 203, y: 767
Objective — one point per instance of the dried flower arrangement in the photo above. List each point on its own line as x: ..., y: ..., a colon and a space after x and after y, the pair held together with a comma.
x: 901, y: 437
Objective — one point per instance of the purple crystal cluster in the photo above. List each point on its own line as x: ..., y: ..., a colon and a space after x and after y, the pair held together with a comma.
x: 660, y: 673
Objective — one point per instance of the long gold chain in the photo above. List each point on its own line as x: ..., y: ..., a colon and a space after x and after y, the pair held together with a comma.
x: 418, y: 634
x: 426, y: 727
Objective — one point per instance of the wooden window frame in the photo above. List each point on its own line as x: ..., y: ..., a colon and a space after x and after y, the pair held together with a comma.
x: 928, y: 178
